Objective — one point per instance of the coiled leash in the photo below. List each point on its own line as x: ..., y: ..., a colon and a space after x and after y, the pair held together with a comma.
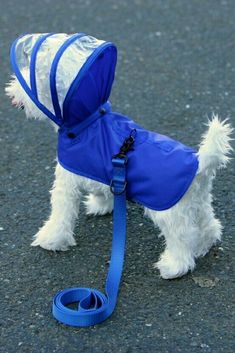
x: 94, y: 306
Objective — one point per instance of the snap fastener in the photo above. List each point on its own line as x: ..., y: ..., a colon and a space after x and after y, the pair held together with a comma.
x: 102, y: 110
x: 71, y: 135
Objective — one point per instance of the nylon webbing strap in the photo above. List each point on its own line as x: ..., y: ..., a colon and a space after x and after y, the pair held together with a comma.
x: 94, y: 306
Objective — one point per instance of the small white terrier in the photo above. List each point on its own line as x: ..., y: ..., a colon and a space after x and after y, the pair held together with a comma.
x: 189, y: 227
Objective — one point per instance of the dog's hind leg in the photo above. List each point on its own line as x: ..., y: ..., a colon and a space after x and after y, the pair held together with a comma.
x: 210, y: 227
x: 213, y: 154
x: 210, y: 232
x: 57, y: 233
x: 180, y: 231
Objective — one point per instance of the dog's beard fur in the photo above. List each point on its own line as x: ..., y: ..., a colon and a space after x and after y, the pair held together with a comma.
x: 189, y: 228
x: 21, y: 100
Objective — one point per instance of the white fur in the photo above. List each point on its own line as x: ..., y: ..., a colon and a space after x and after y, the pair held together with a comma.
x: 21, y: 100
x: 189, y: 228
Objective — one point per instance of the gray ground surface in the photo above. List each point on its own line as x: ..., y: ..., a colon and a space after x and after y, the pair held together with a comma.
x: 176, y: 65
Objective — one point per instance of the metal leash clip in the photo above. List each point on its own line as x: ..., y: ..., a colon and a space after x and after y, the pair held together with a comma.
x: 118, y: 183
x: 127, y: 146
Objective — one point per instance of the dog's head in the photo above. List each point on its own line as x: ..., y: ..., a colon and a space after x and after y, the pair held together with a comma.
x: 39, y: 72
x: 60, y: 76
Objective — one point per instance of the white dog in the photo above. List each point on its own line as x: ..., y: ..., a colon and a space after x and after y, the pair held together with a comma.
x: 189, y: 227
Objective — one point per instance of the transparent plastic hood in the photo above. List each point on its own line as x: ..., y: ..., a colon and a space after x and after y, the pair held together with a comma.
x: 67, y: 76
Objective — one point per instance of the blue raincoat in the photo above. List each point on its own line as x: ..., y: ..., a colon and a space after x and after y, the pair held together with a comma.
x: 78, y: 73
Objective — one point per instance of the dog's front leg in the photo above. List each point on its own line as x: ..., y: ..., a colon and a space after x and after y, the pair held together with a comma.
x: 57, y: 233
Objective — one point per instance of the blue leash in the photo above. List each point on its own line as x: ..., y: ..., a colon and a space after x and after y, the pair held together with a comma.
x: 94, y: 306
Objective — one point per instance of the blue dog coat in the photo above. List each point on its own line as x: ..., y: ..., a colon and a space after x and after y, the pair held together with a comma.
x: 78, y: 72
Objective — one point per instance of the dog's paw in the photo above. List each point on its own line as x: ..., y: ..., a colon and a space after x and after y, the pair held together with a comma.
x: 172, y: 267
x: 98, y: 205
x: 57, y: 239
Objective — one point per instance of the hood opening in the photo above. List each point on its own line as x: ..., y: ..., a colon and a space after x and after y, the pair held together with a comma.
x: 68, y: 77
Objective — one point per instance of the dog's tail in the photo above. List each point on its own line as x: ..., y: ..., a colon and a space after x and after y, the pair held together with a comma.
x: 215, y: 146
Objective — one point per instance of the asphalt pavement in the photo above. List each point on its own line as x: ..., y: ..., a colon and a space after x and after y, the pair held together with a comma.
x: 176, y: 65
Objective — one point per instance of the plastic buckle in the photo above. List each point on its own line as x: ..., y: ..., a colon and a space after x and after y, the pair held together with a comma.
x: 119, y: 179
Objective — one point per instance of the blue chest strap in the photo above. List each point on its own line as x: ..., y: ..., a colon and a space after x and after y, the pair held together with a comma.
x: 94, y: 306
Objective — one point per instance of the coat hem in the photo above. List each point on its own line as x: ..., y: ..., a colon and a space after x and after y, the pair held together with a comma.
x: 162, y: 208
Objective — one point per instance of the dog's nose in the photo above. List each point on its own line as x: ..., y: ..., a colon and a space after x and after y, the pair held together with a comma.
x: 17, y: 104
